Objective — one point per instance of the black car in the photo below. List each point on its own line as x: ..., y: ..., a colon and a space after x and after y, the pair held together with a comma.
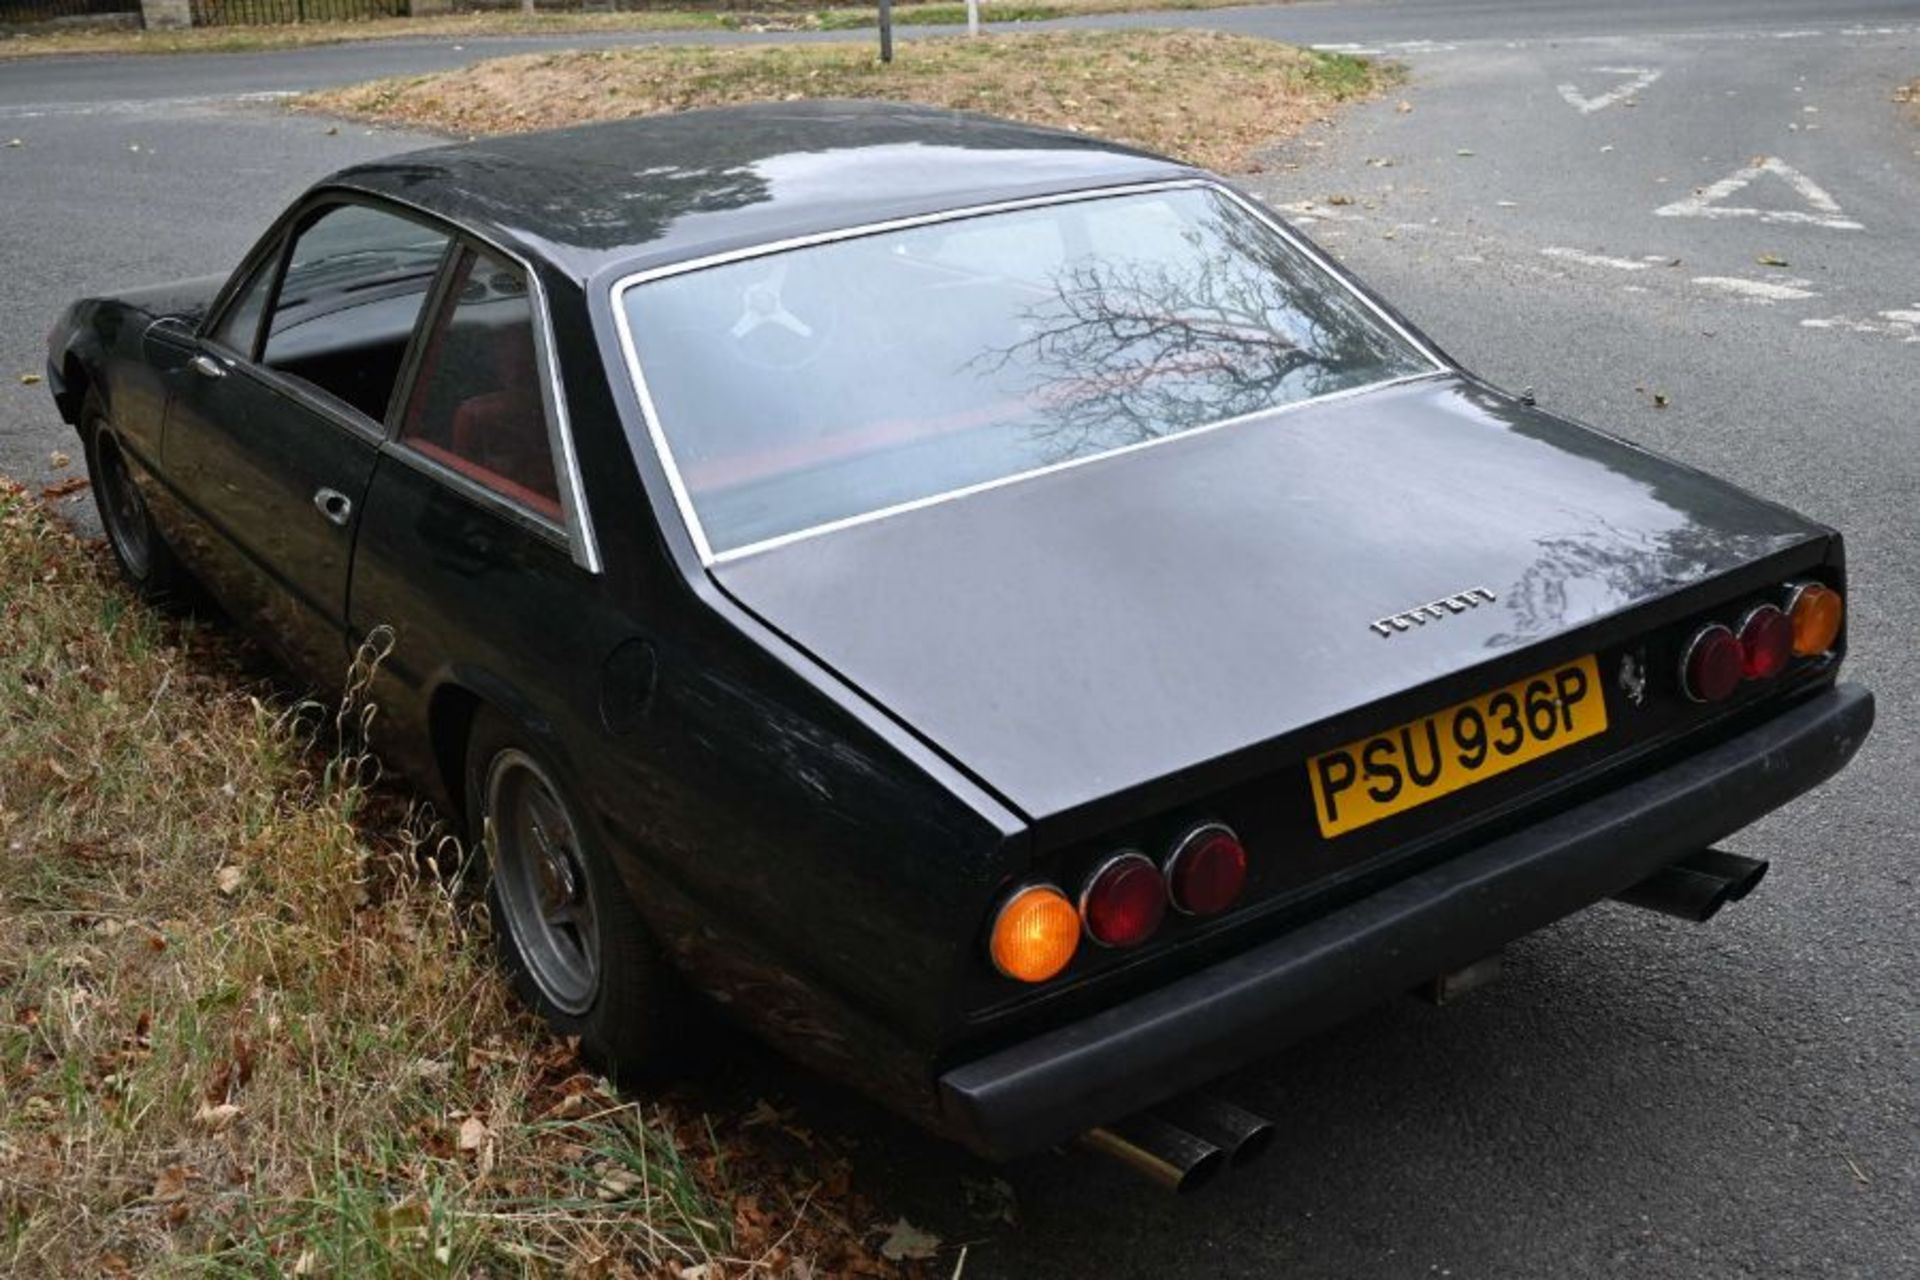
x: 1001, y: 612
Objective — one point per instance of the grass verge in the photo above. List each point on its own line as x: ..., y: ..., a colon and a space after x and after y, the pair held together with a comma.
x: 782, y: 15
x: 1205, y: 97
x: 248, y: 1021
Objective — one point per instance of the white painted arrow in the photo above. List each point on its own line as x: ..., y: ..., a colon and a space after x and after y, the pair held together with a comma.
x: 1705, y: 203
x: 1641, y: 78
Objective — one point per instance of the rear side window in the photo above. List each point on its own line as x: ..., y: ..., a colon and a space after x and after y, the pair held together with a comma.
x: 354, y: 286
x: 476, y: 406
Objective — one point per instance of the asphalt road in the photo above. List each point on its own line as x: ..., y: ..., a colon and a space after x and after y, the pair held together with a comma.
x: 1636, y: 1097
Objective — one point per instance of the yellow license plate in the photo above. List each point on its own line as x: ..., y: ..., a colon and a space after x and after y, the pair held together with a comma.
x: 1391, y: 772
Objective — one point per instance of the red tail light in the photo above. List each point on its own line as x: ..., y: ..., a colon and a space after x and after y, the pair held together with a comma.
x: 1207, y: 870
x: 1713, y: 666
x: 1766, y: 642
x: 1124, y: 901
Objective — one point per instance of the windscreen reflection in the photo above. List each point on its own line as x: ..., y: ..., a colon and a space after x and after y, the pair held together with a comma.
x: 821, y: 383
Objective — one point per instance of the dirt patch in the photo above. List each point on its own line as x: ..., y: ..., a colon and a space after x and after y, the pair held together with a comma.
x: 1208, y: 98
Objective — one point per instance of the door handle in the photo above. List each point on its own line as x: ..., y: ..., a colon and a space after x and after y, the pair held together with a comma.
x: 207, y: 367
x: 334, y: 505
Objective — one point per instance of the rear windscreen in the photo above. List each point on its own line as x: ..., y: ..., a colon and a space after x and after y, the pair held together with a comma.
x: 811, y: 385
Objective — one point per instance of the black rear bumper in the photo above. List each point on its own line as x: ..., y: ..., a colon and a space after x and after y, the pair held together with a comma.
x: 1060, y: 1083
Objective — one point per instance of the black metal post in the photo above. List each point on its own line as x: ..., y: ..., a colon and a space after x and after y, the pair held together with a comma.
x: 886, y: 30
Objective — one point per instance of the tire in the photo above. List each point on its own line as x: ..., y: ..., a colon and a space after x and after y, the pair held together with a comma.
x: 146, y: 561
x: 567, y: 934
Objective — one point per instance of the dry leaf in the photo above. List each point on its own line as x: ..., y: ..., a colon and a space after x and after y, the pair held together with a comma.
x: 1659, y: 399
x: 1404, y: 107
x: 171, y: 1184
x: 60, y: 489
x: 217, y: 1118
x: 1771, y: 260
x: 227, y: 880
x: 616, y: 1184
x: 473, y: 1133
x: 28, y: 379
x: 904, y: 1240
x: 57, y: 459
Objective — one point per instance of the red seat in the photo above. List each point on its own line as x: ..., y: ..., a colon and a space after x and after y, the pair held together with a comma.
x: 504, y: 432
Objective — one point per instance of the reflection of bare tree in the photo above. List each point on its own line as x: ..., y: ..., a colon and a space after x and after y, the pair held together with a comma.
x: 1129, y: 349
x: 1627, y: 565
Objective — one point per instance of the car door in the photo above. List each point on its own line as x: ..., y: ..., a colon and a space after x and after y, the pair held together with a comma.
x: 477, y: 560
x: 272, y: 434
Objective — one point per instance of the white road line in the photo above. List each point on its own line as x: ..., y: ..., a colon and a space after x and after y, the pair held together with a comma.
x: 1760, y: 290
x: 1705, y: 203
x: 1904, y: 331
x: 1596, y: 259
x: 1641, y: 78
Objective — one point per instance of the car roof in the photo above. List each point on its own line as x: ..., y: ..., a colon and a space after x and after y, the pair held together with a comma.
x: 653, y: 190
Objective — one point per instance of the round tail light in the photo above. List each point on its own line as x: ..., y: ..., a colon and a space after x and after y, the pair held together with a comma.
x: 1713, y: 666
x: 1207, y: 871
x: 1035, y: 934
x: 1815, y: 612
x: 1766, y: 642
x: 1124, y: 901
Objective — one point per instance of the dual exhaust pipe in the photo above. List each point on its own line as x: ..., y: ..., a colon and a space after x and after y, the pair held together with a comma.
x: 1182, y: 1145
x: 1186, y: 1143
x: 1697, y: 886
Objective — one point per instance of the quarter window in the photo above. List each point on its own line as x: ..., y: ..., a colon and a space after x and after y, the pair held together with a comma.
x: 476, y: 406
x: 241, y: 327
x: 354, y: 286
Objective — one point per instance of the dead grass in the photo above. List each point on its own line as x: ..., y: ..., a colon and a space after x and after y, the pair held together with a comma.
x: 1908, y: 95
x: 249, y: 1026
x: 1205, y: 97
x: 779, y: 15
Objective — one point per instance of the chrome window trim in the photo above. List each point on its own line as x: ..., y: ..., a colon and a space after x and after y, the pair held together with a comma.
x: 683, y: 499
x: 582, y: 543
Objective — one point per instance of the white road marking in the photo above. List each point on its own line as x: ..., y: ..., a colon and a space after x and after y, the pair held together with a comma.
x: 1595, y: 259
x: 1705, y: 203
x: 1641, y: 78
x: 1901, y: 329
x: 1760, y: 290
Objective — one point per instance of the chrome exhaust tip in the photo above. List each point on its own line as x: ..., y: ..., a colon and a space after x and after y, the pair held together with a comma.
x: 1165, y: 1154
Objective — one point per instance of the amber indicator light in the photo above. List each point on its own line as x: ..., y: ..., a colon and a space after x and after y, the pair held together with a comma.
x: 1815, y: 612
x: 1035, y: 934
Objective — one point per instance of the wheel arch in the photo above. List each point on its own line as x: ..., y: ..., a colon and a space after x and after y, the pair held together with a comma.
x: 70, y: 392
x: 456, y: 702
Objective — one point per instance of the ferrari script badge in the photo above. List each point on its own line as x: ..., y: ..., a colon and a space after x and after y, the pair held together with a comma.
x: 1434, y: 611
